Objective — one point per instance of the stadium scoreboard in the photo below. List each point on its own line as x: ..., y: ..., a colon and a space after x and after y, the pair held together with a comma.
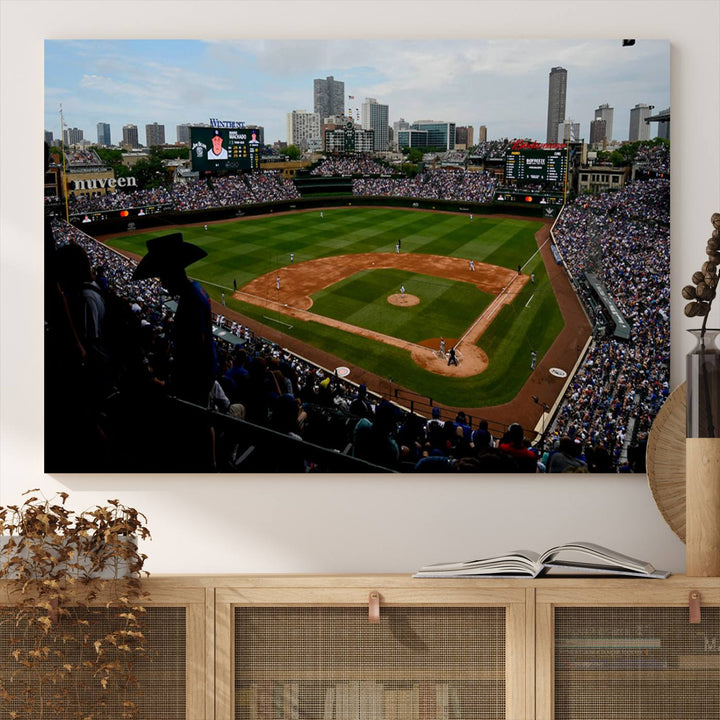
x: 536, y: 166
x: 217, y: 149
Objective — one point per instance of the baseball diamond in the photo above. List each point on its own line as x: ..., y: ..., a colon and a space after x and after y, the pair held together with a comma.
x: 339, y: 284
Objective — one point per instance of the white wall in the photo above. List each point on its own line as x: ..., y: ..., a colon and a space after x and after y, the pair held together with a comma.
x: 345, y: 524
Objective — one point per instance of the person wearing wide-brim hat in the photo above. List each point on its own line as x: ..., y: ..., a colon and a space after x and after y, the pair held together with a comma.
x: 194, y: 360
x: 167, y: 254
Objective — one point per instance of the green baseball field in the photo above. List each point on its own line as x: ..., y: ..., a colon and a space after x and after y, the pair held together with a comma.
x: 338, y: 283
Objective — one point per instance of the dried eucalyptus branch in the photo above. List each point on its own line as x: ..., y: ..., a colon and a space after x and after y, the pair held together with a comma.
x: 704, y: 290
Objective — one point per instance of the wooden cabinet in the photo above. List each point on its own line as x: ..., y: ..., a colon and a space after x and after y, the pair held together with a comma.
x: 294, y: 646
x: 627, y: 650
x: 306, y: 648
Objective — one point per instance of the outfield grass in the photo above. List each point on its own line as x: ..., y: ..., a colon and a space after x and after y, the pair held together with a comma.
x: 241, y: 250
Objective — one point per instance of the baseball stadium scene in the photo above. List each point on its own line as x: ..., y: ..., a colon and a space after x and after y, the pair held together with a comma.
x: 342, y: 290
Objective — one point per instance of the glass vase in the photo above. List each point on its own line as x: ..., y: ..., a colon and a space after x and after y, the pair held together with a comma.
x: 703, y: 385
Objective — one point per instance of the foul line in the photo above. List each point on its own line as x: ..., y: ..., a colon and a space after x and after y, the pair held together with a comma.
x: 278, y: 321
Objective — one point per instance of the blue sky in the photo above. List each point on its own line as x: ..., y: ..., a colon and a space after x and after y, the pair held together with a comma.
x: 502, y: 84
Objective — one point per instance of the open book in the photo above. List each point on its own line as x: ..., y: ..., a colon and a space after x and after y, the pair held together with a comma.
x: 575, y: 558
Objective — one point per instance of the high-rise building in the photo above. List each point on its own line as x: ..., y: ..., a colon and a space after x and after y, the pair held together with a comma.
x: 154, y: 135
x: 329, y: 97
x: 482, y: 134
x: 304, y: 130
x: 412, y: 138
x: 568, y: 131
x: 130, y: 136
x: 375, y: 117
x: 598, y: 131
x: 605, y: 112
x: 398, y: 127
x: 441, y: 134
x: 103, y: 134
x: 49, y: 137
x: 72, y: 136
x: 182, y: 133
x: 464, y: 136
x: 639, y: 129
x: 557, y: 90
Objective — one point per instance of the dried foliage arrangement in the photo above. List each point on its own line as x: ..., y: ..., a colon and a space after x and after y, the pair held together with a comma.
x: 703, y: 363
x: 703, y: 291
x: 71, y: 610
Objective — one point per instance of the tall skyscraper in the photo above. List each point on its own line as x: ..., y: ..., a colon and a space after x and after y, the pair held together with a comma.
x: 482, y: 134
x: 48, y: 137
x: 103, y: 134
x: 375, y: 118
x: 154, y: 135
x: 605, y: 112
x: 130, y: 136
x: 557, y: 90
x: 182, y: 133
x: 639, y: 129
x: 329, y: 97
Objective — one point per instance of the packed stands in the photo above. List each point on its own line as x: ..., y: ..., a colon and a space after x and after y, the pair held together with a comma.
x: 449, y: 184
x: 349, y: 165
x: 624, y: 236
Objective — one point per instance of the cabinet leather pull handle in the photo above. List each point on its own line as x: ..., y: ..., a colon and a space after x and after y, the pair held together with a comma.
x: 374, y: 607
x: 694, y: 604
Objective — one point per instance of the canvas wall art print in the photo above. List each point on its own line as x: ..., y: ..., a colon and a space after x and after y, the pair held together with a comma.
x: 355, y: 256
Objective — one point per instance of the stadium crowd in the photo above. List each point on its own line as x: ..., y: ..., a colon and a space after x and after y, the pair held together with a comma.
x: 624, y: 238
x: 491, y: 149
x: 267, y: 186
x: 349, y: 165
x: 450, y: 184
x: 654, y: 158
x: 120, y: 200
x: 82, y: 157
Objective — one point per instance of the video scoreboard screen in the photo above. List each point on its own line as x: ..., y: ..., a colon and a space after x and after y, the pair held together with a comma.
x: 536, y: 166
x: 224, y: 149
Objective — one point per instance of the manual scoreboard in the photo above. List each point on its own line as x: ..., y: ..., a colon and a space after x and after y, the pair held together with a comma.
x: 214, y: 149
x: 536, y: 166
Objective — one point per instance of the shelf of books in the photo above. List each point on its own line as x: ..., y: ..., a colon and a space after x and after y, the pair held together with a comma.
x: 602, y: 657
x: 319, y: 661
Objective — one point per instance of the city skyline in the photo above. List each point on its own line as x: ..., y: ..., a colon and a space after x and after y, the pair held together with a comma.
x: 501, y: 84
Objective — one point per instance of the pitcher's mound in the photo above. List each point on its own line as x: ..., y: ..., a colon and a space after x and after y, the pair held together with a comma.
x: 398, y: 299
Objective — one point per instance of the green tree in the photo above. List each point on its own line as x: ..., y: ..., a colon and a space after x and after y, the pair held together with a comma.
x: 414, y: 155
x: 110, y: 156
x: 293, y: 152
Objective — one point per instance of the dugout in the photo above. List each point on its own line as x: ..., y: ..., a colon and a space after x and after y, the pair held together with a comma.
x: 621, y: 328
